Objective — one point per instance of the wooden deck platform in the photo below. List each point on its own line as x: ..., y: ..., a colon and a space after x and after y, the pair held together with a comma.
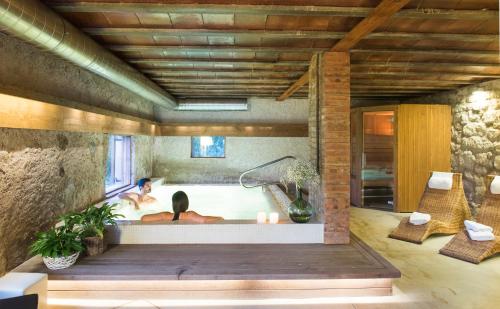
x: 221, y: 271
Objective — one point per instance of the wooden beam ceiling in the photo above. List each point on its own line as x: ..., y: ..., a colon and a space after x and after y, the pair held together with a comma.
x: 275, y: 9
x: 349, y: 39
x: 259, y: 47
x: 382, y: 13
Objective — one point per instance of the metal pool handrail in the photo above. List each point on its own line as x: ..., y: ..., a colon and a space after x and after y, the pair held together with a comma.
x: 259, y: 167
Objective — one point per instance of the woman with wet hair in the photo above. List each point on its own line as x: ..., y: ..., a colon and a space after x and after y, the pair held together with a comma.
x: 180, y: 205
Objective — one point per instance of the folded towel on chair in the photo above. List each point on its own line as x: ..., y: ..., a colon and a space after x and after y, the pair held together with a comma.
x: 481, y: 236
x: 477, y: 227
x: 441, y: 181
x: 418, y: 218
x: 495, y: 185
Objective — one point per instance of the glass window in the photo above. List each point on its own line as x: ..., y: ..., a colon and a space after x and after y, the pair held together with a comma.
x: 208, y: 147
x: 118, y: 166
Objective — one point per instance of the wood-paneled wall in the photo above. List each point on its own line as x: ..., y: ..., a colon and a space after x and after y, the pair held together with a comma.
x: 423, y: 145
x: 233, y: 129
x: 21, y: 113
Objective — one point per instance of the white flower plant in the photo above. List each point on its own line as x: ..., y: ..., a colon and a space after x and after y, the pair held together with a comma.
x: 299, y: 172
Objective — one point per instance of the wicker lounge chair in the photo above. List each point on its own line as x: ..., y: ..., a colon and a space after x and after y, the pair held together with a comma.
x: 448, y: 210
x: 463, y: 248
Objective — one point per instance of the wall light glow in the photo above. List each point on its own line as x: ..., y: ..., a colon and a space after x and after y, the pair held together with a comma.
x: 479, y: 99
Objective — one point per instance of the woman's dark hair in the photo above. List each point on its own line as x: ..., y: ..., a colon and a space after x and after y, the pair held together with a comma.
x: 180, y: 203
x: 142, y: 182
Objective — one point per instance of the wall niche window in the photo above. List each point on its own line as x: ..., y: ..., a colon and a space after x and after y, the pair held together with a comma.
x: 208, y: 147
x: 118, y: 163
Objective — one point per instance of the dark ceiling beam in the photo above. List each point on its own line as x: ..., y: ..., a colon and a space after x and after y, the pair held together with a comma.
x: 381, y: 14
x: 213, y: 48
x: 271, y: 75
x: 217, y: 81
x: 232, y: 48
x: 216, y: 62
x: 294, y: 10
x: 284, y: 83
x: 129, y: 31
x: 274, y: 89
x: 423, y: 75
x: 424, y: 64
x: 286, y: 34
x: 167, y: 72
x: 435, y: 52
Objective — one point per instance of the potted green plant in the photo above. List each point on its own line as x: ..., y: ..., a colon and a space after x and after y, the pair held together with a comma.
x: 60, y: 246
x: 92, y: 223
x: 300, y: 172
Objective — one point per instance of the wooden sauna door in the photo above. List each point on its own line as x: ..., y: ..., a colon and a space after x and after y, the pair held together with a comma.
x: 377, y: 160
x: 356, y: 150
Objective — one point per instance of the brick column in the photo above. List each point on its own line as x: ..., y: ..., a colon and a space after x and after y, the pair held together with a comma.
x: 329, y: 115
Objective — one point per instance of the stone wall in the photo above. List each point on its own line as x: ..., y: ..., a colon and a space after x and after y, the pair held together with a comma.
x: 315, y: 194
x: 44, y: 174
x: 142, y: 156
x: 172, y: 158
x: 32, y: 73
x: 475, y: 134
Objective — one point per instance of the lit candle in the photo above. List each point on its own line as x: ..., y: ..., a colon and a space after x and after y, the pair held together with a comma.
x: 273, y: 218
x: 261, y: 217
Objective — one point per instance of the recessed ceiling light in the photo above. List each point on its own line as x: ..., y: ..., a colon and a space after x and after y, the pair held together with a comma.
x: 212, y: 104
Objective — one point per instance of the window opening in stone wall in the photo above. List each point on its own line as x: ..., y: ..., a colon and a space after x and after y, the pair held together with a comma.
x: 118, y: 163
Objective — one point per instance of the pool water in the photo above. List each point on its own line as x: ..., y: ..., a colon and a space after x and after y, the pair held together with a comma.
x: 232, y: 202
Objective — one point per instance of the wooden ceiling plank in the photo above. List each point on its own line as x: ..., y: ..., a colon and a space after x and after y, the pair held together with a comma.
x: 291, y: 75
x: 297, y: 10
x: 347, y: 41
x: 279, y: 49
x: 215, y: 81
x: 213, y: 48
x: 424, y: 64
x: 382, y: 13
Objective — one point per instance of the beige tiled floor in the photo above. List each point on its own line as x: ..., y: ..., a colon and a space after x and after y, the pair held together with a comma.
x: 429, y: 280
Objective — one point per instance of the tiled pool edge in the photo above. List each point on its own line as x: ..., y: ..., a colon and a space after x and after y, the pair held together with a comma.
x: 225, y: 232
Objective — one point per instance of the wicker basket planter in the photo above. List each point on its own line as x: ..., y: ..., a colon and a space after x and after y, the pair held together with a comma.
x: 94, y: 245
x: 60, y: 262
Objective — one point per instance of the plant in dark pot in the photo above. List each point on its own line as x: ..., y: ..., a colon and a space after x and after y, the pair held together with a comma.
x: 300, y: 172
x: 92, y: 223
x: 60, y: 246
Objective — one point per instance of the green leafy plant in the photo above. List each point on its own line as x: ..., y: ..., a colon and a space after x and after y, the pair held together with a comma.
x: 93, y: 220
x: 66, y: 238
x: 57, y: 242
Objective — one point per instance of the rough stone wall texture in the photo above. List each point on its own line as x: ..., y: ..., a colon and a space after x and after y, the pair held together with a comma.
x: 30, y: 72
x: 172, y: 158
x: 315, y: 194
x: 44, y: 174
x: 475, y: 134
x: 143, y: 156
x: 261, y: 110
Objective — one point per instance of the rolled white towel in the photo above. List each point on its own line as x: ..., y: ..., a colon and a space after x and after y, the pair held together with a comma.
x: 495, y: 185
x: 481, y: 236
x: 418, y: 218
x: 441, y: 181
x: 477, y: 227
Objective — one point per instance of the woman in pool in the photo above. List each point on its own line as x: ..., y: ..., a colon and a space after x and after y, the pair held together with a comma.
x: 180, y: 204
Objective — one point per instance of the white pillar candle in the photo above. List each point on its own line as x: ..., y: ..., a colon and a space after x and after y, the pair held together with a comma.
x: 261, y: 217
x: 274, y: 217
